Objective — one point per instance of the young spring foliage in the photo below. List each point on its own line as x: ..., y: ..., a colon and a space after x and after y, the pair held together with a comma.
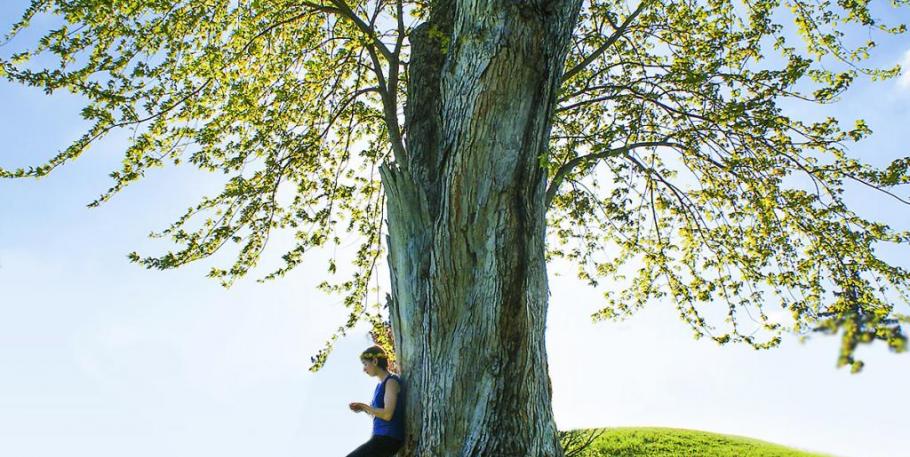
x: 675, y: 173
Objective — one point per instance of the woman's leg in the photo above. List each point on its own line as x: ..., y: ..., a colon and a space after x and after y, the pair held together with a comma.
x: 363, y: 450
x: 377, y: 446
x: 386, y: 446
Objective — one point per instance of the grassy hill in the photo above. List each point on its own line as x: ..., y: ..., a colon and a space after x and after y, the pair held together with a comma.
x: 671, y: 442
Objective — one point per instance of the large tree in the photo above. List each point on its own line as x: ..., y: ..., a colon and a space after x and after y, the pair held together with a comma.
x: 473, y: 140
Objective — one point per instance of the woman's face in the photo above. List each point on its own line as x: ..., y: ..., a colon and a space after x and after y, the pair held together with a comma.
x: 370, y: 367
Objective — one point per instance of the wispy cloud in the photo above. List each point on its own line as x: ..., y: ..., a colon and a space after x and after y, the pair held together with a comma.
x: 904, y: 80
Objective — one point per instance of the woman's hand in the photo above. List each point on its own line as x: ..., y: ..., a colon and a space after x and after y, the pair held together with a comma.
x: 357, y: 407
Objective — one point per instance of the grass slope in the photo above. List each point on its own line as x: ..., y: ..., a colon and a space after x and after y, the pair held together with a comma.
x: 671, y: 442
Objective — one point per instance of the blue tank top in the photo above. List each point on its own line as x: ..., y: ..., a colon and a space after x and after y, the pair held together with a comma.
x: 395, y: 427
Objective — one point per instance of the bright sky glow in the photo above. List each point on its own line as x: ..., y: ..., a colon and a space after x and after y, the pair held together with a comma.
x: 904, y: 80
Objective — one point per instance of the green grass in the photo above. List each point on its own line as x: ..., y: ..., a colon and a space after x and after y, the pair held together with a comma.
x: 671, y: 442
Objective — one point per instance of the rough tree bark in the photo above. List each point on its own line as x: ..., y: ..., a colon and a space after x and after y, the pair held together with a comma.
x: 466, y: 219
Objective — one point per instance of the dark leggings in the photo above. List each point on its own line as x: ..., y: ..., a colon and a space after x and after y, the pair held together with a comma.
x: 378, y: 446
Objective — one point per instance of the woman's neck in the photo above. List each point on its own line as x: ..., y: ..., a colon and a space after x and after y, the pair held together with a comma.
x: 382, y: 374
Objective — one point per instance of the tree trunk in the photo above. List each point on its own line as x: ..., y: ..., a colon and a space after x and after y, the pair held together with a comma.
x: 466, y: 219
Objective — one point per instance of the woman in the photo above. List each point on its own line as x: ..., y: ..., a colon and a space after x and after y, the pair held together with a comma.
x: 386, y: 408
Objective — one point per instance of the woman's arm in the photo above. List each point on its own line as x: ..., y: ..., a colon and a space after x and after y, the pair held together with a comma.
x: 391, y: 398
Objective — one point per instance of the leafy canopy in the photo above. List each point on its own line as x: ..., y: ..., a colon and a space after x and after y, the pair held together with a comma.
x: 675, y: 171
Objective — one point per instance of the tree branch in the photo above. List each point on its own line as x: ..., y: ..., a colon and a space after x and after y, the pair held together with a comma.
x: 603, y: 48
x: 561, y: 173
x: 344, y: 10
x: 388, y: 88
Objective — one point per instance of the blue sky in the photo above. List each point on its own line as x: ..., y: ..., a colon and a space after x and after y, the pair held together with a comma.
x: 101, y: 358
